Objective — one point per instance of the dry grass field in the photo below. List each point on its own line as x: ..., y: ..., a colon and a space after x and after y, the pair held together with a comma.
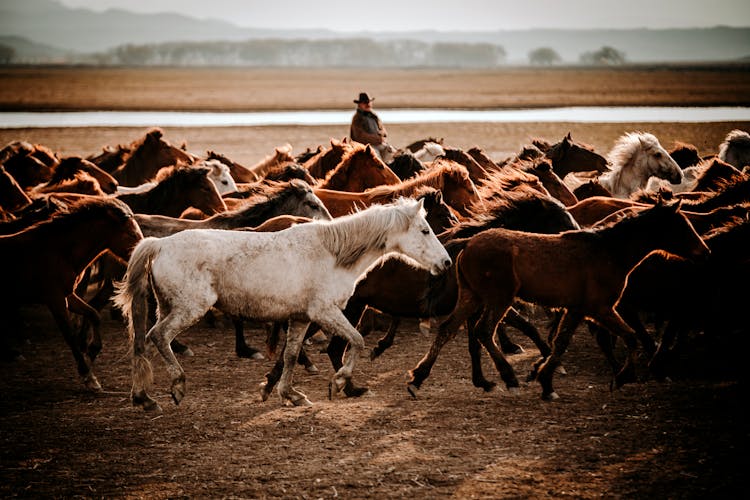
x: 685, y: 439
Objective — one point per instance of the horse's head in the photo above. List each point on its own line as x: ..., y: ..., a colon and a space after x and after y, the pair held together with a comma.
x: 114, y: 222
x: 189, y: 187
x: 590, y: 188
x: 552, y: 183
x: 439, y: 215
x: 220, y: 175
x: 418, y: 240
x: 306, y: 203
x: 405, y: 165
x: 686, y: 155
x: 458, y: 189
x: 653, y: 159
x: 161, y: 152
x: 568, y: 156
x: 283, y: 154
x: 429, y: 151
x: 360, y: 169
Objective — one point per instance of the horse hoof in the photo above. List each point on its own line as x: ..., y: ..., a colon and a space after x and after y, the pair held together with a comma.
x: 258, y: 356
x: 487, y: 386
x: 312, y: 369
x: 178, y: 392
x: 560, y: 370
x: 303, y: 401
x: 551, y: 396
x: 353, y: 391
x: 513, y: 349
x: 149, y: 405
x: 424, y: 327
x: 413, y: 390
x: 374, y: 354
x: 514, y: 390
x: 92, y: 383
x: 264, y: 393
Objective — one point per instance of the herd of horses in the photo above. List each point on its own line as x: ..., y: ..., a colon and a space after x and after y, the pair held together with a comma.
x: 324, y: 239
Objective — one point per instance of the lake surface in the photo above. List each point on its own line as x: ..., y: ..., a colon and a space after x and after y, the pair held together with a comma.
x: 391, y: 116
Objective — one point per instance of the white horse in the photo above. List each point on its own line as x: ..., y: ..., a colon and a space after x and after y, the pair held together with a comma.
x: 219, y: 175
x: 735, y: 149
x: 429, y: 152
x: 305, y: 273
x: 635, y: 157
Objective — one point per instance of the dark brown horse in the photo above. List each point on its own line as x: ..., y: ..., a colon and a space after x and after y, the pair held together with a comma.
x: 239, y: 172
x: 81, y: 183
x: 43, y: 262
x: 686, y: 155
x: 27, y: 169
x: 176, y: 190
x: 476, y: 171
x: 590, y: 188
x: 147, y: 156
x: 12, y: 195
x: 568, y: 156
x: 406, y: 165
x: 111, y: 158
x: 583, y: 272
x: 359, y: 169
x: 417, y: 145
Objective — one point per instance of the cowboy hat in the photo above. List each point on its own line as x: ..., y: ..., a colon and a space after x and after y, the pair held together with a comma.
x: 363, y: 97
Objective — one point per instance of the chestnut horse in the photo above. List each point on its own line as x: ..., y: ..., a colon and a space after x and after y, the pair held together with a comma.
x: 69, y: 166
x: 569, y: 156
x: 450, y: 178
x: 583, y: 272
x: 326, y: 160
x: 147, y: 156
x: 40, y: 265
x: 359, y: 169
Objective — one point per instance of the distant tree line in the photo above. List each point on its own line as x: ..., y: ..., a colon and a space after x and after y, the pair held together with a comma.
x: 605, y: 56
x: 355, y: 52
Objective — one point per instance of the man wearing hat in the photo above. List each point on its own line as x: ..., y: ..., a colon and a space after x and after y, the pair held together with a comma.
x: 366, y: 126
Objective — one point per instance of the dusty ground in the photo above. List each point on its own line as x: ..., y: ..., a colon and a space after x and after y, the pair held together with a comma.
x: 684, y: 439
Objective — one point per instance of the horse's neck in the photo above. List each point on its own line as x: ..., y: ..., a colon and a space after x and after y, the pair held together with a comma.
x: 632, y: 244
x: 82, y: 249
x: 623, y: 180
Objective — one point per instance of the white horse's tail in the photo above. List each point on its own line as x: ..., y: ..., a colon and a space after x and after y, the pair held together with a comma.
x: 132, y: 298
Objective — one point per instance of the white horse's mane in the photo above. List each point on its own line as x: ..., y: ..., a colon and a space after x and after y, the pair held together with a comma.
x: 351, y: 236
x: 736, y: 139
x: 628, y: 144
x: 432, y: 149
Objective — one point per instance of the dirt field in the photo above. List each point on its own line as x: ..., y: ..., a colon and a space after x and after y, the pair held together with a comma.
x: 684, y: 439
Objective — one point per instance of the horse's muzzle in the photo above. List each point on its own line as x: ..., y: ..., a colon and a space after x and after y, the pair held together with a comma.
x: 442, y: 267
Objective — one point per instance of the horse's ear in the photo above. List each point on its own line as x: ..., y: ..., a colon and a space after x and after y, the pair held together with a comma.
x: 368, y: 149
x: 567, y: 137
x: 420, y: 205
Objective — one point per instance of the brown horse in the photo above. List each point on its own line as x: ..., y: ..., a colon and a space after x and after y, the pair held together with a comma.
x: 281, y: 156
x: 178, y: 189
x: 28, y: 170
x: 359, y: 169
x: 487, y: 163
x: 450, y: 178
x: 81, y: 183
x: 568, y: 156
x: 590, y: 188
x: 476, y: 171
x: 326, y: 160
x: 589, y: 211
x: 147, y: 156
x: 583, y: 272
x: 69, y: 166
x: 12, y: 195
x: 405, y: 165
x: 686, y: 155
x: 417, y: 145
x: 111, y: 157
x: 550, y: 180
x: 44, y: 261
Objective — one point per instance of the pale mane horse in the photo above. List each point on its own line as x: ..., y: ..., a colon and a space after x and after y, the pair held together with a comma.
x: 429, y: 152
x: 305, y: 273
x: 735, y: 149
x: 281, y: 155
x: 635, y: 157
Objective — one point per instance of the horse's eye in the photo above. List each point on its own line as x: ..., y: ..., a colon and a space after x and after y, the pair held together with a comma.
x: 657, y: 155
x: 313, y: 206
x: 425, y: 231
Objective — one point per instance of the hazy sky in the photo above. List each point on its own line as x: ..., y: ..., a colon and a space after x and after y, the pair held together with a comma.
x: 442, y: 15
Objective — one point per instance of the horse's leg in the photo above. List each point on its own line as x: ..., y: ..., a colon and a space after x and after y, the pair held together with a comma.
x: 241, y: 349
x: 631, y: 317
x: 333, y: 321
x: 518, y: 321
x: 475, y: 353
x: 611, y: 320
x: 484, y: 331
x: 60, y: 313
x: 465, y: 306
x: 79, y: 306
x: 386, y: 340
x: 337, y: 347
x: 275, y: 345
x: 546, y: 369
x: 295, y: 335
x: 501, y: 336
x: 605, y: 341
x: 171, y: 323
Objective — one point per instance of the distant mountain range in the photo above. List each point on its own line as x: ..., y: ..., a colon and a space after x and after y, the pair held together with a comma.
x: 47, y: 31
